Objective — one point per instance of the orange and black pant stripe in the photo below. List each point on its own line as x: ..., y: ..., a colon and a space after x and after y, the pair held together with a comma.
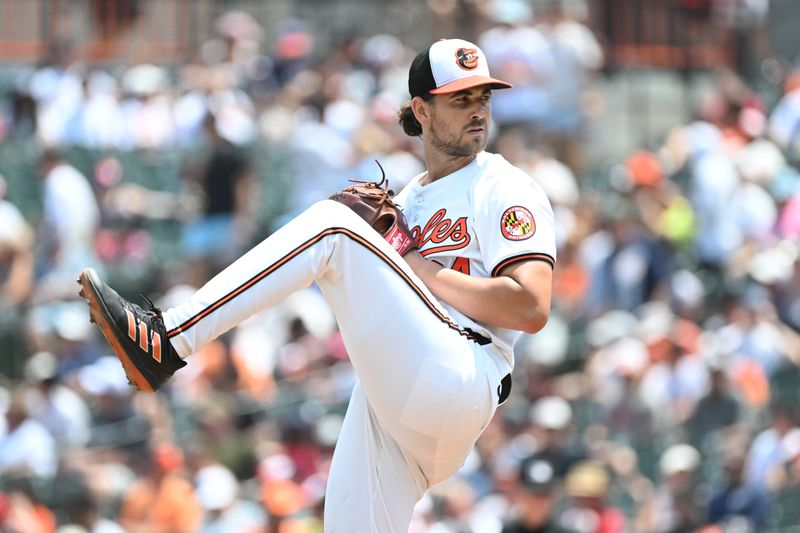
x: 189, y: 323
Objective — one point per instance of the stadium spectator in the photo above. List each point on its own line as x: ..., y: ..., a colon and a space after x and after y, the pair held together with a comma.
x: 676, y: 504
x: 58, y: 407
x: 218, y: 494
x: 17, y: 273
x: 587, y: 485
x: 226, y: 223
x: 536, y: 499
x: 735, y: 499
x: 70, y: 220
x: 772, y: 447
x: 717, y: 410
x: 26, y: 447
x: 162, y: 499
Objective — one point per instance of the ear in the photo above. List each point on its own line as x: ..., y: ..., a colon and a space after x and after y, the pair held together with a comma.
x: 421, y: 109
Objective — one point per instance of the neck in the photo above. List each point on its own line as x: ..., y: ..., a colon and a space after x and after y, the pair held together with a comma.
x: 440, y: 165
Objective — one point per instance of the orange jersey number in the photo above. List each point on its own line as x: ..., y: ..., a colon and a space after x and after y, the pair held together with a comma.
x: 461, y: 264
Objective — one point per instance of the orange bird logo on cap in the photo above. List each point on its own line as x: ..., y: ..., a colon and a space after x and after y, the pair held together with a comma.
x: 467, y: 58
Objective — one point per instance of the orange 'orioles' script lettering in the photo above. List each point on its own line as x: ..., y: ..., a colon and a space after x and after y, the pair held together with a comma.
x: 440, y: 229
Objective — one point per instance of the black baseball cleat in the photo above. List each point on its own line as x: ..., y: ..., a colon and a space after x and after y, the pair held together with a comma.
x: 137, y: 336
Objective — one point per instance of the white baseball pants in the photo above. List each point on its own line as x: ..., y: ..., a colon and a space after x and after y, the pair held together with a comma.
x: 426, y: 387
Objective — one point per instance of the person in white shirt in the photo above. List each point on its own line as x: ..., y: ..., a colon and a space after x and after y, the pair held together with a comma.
x: 27, y: 448
x: 70, y: 220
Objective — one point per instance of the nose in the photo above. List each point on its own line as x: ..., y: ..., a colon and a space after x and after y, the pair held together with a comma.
x: 478, y: 112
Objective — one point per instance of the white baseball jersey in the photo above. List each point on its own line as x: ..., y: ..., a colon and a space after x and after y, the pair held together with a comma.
x: 478, y: 220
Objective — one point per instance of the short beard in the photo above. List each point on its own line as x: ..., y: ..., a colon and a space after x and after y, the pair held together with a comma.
x: 452, y: 149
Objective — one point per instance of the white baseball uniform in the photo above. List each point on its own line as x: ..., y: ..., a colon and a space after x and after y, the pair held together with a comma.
x: 428, y: 379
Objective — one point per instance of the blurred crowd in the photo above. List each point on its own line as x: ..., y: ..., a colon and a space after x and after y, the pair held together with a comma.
x: 662, y: 396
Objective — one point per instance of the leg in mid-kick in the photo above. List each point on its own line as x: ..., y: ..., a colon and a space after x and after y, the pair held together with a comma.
x: 418, y: 368
x: 425, y: 389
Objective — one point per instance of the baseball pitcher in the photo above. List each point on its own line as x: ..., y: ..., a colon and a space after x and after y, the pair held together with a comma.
x: 429, y: 297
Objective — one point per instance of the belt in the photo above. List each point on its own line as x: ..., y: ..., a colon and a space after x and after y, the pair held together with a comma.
x: 504, y: 388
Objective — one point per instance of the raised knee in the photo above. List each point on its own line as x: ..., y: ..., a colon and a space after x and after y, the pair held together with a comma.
x: 336, y: 214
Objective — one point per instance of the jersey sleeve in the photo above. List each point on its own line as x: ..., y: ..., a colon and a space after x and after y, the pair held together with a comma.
x: 513, y: 222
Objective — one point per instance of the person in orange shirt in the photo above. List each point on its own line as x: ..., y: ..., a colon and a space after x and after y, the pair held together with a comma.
x: 19, y: 511
x: 165, y: 500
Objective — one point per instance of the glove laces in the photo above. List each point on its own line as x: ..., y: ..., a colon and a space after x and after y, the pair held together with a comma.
x: 377, y: 190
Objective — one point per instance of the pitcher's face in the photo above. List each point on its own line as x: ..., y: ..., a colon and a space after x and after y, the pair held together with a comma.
x: 459, y: 122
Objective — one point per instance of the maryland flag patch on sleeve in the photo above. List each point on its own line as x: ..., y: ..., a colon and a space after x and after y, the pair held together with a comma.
x: 517, y: 224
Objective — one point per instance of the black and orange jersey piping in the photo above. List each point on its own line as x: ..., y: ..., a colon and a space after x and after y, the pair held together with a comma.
x: 189, y: 323
x: 522, y: 257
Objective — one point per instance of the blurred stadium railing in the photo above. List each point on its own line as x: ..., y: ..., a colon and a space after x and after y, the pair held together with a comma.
x: 170, y: 31
x: 661, y: 33
x: 655, y: 33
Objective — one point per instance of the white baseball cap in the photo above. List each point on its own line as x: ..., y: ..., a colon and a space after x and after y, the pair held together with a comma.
x: 551, y: 412
x: 448, y: 66
x: 216, y: 487
x: 679, y: 458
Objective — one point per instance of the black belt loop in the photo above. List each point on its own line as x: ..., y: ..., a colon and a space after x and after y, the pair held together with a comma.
x: 504, y: 389
x: 477, y: 337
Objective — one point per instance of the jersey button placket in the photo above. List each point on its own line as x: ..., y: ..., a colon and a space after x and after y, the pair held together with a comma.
x: 417, y: 200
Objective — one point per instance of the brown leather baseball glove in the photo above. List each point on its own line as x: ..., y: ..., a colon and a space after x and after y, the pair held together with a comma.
x: 372, y: 201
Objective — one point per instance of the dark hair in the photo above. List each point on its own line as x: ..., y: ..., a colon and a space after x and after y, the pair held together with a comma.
x: 51, y: 155
x: 406, y: 118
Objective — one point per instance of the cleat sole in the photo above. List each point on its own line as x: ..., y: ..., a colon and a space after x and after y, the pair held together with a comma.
x: 97, y: 316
